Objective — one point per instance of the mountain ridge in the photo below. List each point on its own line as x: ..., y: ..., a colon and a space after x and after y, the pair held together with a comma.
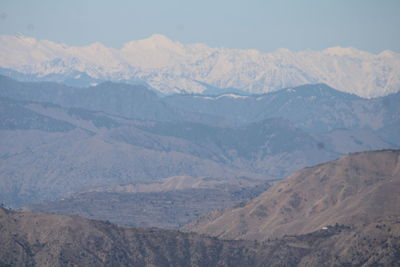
x: 354, y: 189
x: 41, y: 144
x: 30, y: 239
x: 173, y: 67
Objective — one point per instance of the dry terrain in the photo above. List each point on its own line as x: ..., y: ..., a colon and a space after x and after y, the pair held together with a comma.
x: 38, y: 239
x: 165, y: 203
x: 357, y: 188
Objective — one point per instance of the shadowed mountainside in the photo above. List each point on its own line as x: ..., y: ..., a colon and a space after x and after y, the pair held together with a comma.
x: 130, y: 101
x: 48, y: 151
x: 313, y: 107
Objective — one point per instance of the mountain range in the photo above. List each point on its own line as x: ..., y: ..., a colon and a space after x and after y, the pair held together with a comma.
x: 172, y: 67
x: 48, y: 151
x: 57, y: 141
x: 313, y: 108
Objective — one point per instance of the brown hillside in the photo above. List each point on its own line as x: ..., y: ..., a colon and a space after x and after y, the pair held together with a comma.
x: 39, y: 239
x: 355, y: 189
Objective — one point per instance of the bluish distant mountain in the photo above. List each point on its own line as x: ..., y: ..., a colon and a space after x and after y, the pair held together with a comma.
x: 315, y: 108
x: 72, y: 78
x: 131, y: 101
x: 48, y: 151
x: 119, y: 133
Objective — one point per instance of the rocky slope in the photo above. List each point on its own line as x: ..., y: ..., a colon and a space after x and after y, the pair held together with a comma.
x: 173, y: 67
x: 37, y: 239
x: 357, y: 188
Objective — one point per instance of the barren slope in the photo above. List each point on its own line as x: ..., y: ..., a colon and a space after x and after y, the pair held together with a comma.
x: 357, y: 188
x: 38, y: 239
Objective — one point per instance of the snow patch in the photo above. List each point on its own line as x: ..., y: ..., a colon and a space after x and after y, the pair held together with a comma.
x: 232, y: 96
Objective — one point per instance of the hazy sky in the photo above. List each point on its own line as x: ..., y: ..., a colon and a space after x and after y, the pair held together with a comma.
x: 372, y: 25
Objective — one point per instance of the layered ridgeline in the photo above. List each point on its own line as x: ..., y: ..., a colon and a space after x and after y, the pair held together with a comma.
x: 38, y: 239
x: 313, y: 108
x: 48, y: 151
x: 356, y: 189
x: 173, y: 67
x: 131, y: 101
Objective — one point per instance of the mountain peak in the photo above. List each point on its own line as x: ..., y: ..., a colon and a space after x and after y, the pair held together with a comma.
x: 388, y: 53
x: 155, y: 40
x: 97, y: 45
x: 342, y: 51
x: 171, y: 66
x: 24, y: 39
x: 154, y: 43
x: 283, y: 51
x: 159, y: 38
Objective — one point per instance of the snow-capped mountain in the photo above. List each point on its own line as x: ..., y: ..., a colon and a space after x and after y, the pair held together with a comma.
x: 173, y: 67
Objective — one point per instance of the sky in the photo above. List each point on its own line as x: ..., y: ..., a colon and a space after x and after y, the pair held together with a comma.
x: 371, y: 25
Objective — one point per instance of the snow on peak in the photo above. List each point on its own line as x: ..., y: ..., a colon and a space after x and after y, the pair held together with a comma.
x: 388, y: 53
x: 341, y: 51
x: 159, y: 38
x: 23, y: 38
x: 153, y: 42
x: 97, y: 46
x: 157, y: 51
x: 205, y: 97
x: 283, y: 51
x: 171, y: 66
